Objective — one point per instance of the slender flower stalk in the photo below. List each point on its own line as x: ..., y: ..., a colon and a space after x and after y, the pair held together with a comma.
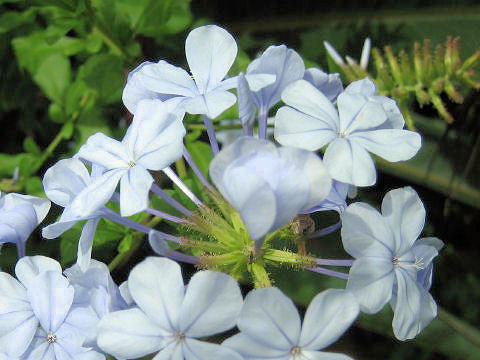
x: 170, y: 200
x: 211, y: 134
x: 325, y: 231
x: 191, y: 162
x: 328, y: 272
x: 262, y: 123
x: 335, y: 262
x: 177, y: 181
x: 164, y: 215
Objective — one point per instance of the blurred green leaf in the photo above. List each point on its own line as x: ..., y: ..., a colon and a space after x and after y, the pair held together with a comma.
x: 8, y: 163
x: 34, y: 186
x: 53, y: 76
x: 30, y: 146
x: 13, y: 19
x: 56, y: 113
x: 202, y: 154
x: 103, y: 74
x: 29, y: 164
x: 126, y: 244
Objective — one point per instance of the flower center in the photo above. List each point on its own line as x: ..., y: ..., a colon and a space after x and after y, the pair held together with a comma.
x: 342, y: 135
x: 51, y: 338
x: 418, y: 264
x: 179, y: 337
x: 295, y: 351
x: 131, y: 163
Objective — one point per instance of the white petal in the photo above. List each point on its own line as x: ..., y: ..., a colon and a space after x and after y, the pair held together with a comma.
x: 42, y: 351
x: 366, y: 233
x: 371, y: 281
x: 210, y: 52
x: 134, y: 91
x: 125, y: 292
x: 294, y: 128
x: 350, y: 163
x: 252, y: 349
x: 211, y: 305
x: 328, y: 316
x: 365, y: 87
x: 246, y: 110
x: 271, y: 318
x: 357, y: 113
x: 405, y: 213
x: 414, y: 308
x: 259, y: 81
x: 134, y: 188
x: 311, y: 167
x: 173, y: 351
x: 164, y: 78
x: 29, y: 267
x: 329, y: 84
x: 96, y: 195
x: 304, y: 97
x: 51, y: 297
x: 22, y: 219
x: 211, y: 104
x: 65, y: 180
x: 54, y: 230
x: 156, y: 285
x: 322, y: 355
x: 105, y: 151
x: 390, y: 144
x: 282, y: 62
x: 129, y: 334
x: 40, y: 205
x: 85, y: 244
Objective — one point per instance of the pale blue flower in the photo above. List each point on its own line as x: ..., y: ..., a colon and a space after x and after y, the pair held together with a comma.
x: 37, y: 320
x: 63, y: 183
x: 391, y: 264
x: 271, y: 327
x: 329, y: 84
x: 365, y: 56
x: 362, y: 124
x: 210, y: 52
x: 171, y: 316
x: 152, y: 142
x: 268, y: 186
x: 19, y: 216
x: 336, y: 199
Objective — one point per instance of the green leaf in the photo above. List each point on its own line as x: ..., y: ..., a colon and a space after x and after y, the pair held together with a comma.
x: 13, y: 19
x: 202, y: 154
x: 69, y: 5
x: 34, y: 186
x: 29, y: 164
x: 53, y: 76
x: 56, y: 113
x: 30, y: 146
x: 103, y: 73
x: 8, y: 163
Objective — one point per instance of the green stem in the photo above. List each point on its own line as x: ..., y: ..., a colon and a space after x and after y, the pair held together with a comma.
x: 112, y: 45
x: 466, y: 330
x: 122, y: 258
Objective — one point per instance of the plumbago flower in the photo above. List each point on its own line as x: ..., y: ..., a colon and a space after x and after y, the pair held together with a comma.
x: 268, y: 186
x: 210, y: 52
x: 329, y: 84
x: 37, y: 319
x: 363, y: 123
x: 391, y: 264
x: 152, y: 142
x: 271, y: 328
x: 19, y: 215
x: 169, y: 316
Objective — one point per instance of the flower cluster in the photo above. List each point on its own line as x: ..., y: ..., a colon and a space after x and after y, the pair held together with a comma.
x: 258, y: 189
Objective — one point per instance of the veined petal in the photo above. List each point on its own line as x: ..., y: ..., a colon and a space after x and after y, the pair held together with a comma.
x: 335, y: 200
x: 51, y: 297
x: 212, y: 104
x: 294, y: 128
x: 210, y: 52
x: 195, y: 349
x: 322, y: 355
x: 134, y: 188
x: 365, y: 86
x: 54, y: 230
x: 366, y: 233
x: 246, y: 110
x: 65, y: 180
x: 405, y: 213
x: 28, y: 267
x: 371, y: 281
x: 255, y: 81
x: 173, y: 351
x: 282, y: 62
x: 252, y: 349
x: 350, y: 163
x: 96, y: 195
x: 129, y: 334
x: 40, y: 205
x: 211, y: 305
x: 105, y: 151
x: 357, y: 114
x: 328, y: 316
x: 271, y: 318
x: 85, y: 244
x: 165, y: 78
x: 22, y: 219
x: 414, y: 308
x: 156, y: 285
x: 151, y: 123
x: 329, y: 84
x: 390, y: 144
x: 304, y: 97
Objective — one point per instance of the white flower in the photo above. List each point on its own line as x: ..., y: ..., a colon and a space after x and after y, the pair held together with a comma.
x: 271, y: 327
x: 170, y: 316
x: 268, y: 186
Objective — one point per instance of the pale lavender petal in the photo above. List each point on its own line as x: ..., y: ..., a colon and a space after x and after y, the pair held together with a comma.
x: 212, y: 104
x: 85, y: 244
x: 134, y: 188
x: 29, y: 267
x: 210, y: 52
x: 105, y: 151
x: 211, y: 305
x: 329, y: 84
x: 252, y: 348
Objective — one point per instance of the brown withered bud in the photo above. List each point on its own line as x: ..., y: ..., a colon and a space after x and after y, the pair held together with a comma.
x: 303, y: 225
